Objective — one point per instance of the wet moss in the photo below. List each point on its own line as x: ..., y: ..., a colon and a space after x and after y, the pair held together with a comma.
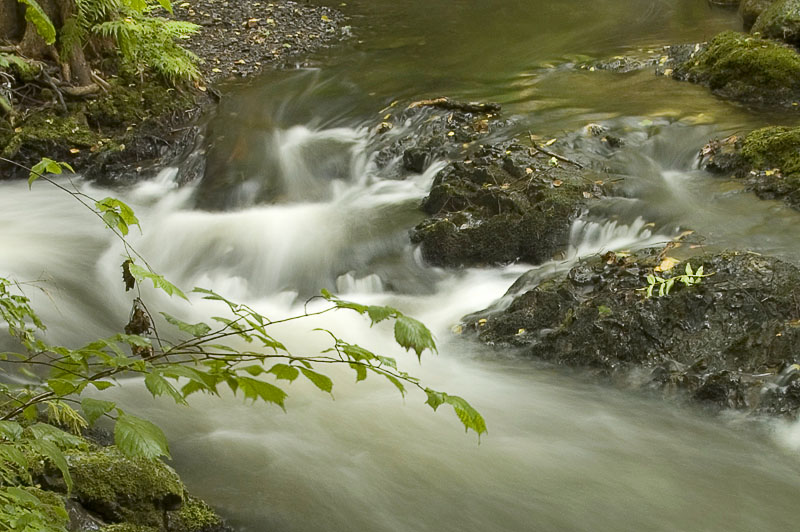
x: 774, y: 147
x: 749, y: 10
x: 47, y: 130
x: 780, y: 21
x: 127, y: 527
x: 121, y: 489
x: 194, y: 516
x: 746, y: 68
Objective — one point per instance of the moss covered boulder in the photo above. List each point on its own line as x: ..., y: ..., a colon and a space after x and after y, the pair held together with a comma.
x: 728, y: 341
x: 501, y: 205
x: 767, y: 159
x: 780, y: 21
x: 741, y: 67
x: 749, y: 10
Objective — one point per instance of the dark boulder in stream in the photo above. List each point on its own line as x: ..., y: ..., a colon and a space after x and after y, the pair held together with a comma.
x: 497, y: 201
x: 728, y: 340
x: 780, y: 21
x: 500, y: 205
x: 767, y: 160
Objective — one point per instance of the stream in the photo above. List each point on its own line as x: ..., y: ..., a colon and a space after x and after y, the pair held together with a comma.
x: 563, y: 453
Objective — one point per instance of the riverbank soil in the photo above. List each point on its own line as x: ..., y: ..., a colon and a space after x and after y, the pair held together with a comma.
x: 130, y: 120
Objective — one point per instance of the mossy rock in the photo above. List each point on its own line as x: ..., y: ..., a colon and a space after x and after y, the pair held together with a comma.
x: 750, y: 10
x: 195, y: 516
x: 768, y: 159
x: 121, y: 489
x: 746, y: 69
x: 723, y: 342
x: 780, y: 21
x: 501, y: 205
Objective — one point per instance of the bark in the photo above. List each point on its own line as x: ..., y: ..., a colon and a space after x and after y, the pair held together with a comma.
x: 79, y: 67
x: 11, y: 22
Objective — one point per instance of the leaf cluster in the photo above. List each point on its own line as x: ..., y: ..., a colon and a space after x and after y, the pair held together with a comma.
x: 665, y: 285
x: 143, y: 41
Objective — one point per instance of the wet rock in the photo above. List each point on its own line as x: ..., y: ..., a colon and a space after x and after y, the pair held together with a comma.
x: 722, y: 342
x: 749, y: 10
x: 780, y: 21
x: 739, y: 67
x: 767, y: 159
x: 435, y: 129
x: 501, y: 204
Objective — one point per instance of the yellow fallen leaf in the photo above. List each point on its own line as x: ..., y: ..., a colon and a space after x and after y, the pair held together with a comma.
x: 481, y: 322
x: 387, y: 116
x: 587, y: 195
x: 74, y: 150
x: 550, y: 142
x: 450, y: 133
x: 667, y: 263
x: 557, y: 183
x: 325, y: 18
x: 521, y: 331
x: 529, y: 171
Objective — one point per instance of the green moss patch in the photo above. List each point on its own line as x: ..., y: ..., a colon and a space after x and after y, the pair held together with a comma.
x: 136, y: 491
x: 747, y: 69
x: 780, y: 21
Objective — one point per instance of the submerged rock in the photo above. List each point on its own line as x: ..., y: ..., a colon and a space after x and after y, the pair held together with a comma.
x: 780, y: 21
x: 500, y: 205
x: 740, y: 67
x: 768, y: 159
x: 722, y: 341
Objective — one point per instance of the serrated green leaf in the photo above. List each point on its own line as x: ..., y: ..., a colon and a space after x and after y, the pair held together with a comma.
x: 356, y: 352
x: 435, y: 399
x: 284, y: 372
x: 256, y: 389
x: 158, y: 385
x: 102, y: 385
x: 689, y: 271
x: 158, y: 281
x: 397, y: 384
x: 387, y: 361
x: 470, y: 418
x: 44, y: 166
x: 197, y: 329
x: 137, y: 437
x: 94, y: 409
x: 412, y: 334
x: 323, y: 382
x: 378, y: 314
x: 65, y: 440
x: 166, y: 4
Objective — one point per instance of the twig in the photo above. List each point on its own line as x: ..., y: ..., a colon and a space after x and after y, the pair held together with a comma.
x: 551, y: 154
x: 53, y: 86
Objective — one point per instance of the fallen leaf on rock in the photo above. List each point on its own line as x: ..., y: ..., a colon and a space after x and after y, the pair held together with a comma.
x: 557, y: 183
x: 550, y: 142
x: 667, y: 263
x: 587, y: 195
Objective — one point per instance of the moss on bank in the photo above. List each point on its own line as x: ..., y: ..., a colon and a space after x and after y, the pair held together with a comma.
x: 745, y: 68
x: 131, y: 122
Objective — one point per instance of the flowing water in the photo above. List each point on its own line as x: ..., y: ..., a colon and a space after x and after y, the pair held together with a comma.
x: 299, y: 205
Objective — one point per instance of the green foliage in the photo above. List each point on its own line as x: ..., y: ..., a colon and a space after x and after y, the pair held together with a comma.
x: 688, y: 278
x: 143, y: 41
x: 47, y: 166
x: 36, y: 16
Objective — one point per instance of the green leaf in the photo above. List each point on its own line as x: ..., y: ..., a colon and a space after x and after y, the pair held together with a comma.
x: 470, y: 418
x: 44, y: 166
x: 62, y: 387
x: 356, y: 352
x: 197, y: 330
x: 321, y: 381
x: 412, y: 334
x: 158, y: 281
x: 361, y: 371
x: 10, y: 430
x: 137, y: 437
x: 689, y: 269
x: 378, y: 314
x: 102, y: 385
x: 670, y: 282
x: 284, y: 372
x: 158, y: 385
x: 166, y: 4
x: 699, y: 271
x: 65, y: 440
x: 651, y: 279
x: 256, y: 389
x: 435, y: 399
x: 36, y: 16
x: 94, y: 409
x: 54, y: 454
x: 387, y: 361
x: 117, y: 214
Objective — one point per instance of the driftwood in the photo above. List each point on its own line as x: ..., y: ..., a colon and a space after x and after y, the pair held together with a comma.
x: 555, y: 155
x: 453, y: 105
